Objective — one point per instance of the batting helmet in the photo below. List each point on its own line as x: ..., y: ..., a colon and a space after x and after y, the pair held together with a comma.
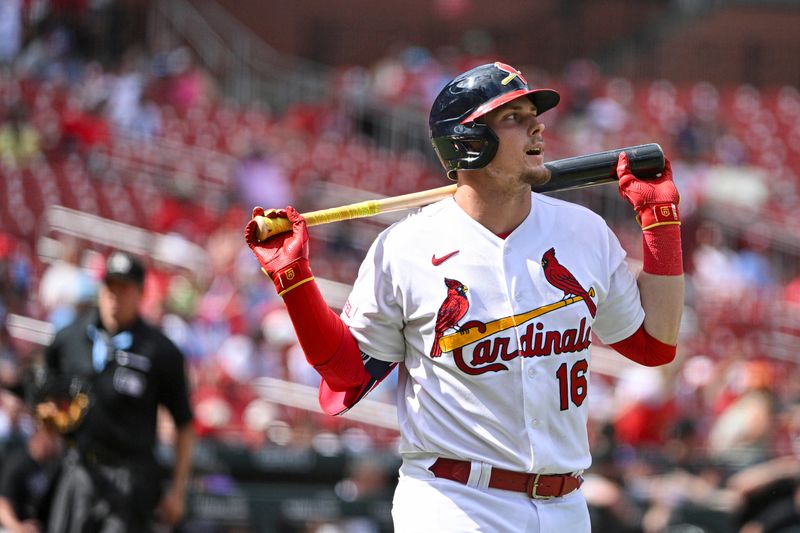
x: 454, y: 115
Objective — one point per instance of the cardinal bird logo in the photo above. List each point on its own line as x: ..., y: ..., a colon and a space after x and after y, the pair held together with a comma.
x: 559, y: 277
x: 453, y: 309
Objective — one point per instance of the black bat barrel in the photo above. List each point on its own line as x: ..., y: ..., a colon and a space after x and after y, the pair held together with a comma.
x: 646, y: 161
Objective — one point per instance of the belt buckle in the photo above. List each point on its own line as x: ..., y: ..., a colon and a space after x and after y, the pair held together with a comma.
x: 533, y: 484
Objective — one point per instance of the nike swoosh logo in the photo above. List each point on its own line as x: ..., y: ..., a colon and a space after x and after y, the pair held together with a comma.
x: 438, y: 261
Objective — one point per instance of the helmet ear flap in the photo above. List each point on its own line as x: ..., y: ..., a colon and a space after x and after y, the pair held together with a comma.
x: 470, y: 149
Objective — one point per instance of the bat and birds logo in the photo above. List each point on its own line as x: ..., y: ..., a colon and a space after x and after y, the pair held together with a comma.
x: 456, y: 304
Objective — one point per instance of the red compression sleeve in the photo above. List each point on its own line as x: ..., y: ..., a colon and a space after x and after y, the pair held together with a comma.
x: 326, y: 341
x: 661, y: 250
x: 645, y: 349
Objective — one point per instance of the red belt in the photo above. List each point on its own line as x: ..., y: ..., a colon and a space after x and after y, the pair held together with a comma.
x: 538, y: 486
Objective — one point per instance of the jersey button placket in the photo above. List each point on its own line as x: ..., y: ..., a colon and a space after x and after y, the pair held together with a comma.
x: 527, y: 371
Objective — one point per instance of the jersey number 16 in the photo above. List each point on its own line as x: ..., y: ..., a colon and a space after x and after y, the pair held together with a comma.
x: 572, y: 385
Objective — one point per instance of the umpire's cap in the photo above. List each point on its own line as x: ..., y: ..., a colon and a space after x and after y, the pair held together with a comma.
x: 125, y: 267
x: 455, y: 113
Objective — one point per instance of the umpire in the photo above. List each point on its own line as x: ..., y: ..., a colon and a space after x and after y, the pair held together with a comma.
x: 110, y: 480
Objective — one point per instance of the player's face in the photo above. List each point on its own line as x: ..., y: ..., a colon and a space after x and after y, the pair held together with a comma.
x: 520, y: 154
x: 118, y: 302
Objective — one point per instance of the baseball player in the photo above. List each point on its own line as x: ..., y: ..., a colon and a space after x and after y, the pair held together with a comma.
x: 489, y: 300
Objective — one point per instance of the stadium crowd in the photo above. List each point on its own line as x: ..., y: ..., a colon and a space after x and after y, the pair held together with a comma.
x: 146, y: 138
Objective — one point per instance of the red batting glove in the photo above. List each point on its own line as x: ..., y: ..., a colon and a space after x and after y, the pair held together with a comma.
x: 656, y: 205
x: 656, y: 201
x: 283, y: 257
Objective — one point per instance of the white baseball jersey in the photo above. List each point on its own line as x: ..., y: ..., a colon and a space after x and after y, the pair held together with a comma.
x: 494, y: 333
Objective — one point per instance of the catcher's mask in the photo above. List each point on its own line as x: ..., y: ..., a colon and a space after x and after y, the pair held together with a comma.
x: 454, y: 119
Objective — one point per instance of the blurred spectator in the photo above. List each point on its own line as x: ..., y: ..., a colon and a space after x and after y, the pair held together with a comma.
x: 580, y: 79
x: 26, y: 482
x: 791, y: 292
x: 729, y: 150
x: 609, y: 112
x: 366, y: 483
x: 715, y: 272
x: 176, y: 210
x: 148, y: 123
x: 65, y: 288
x: 212, y: 411
x: 126, y: 91
x: 16, y: 275
x: 96, y: 85
x: 188, y: 85
x: 751, y: 261
x: 85, y: 128
x: 222, y: 406
x: 10, y: 30
x: 14, y: 420
x: 646, y: 410
x: 109, y: 24
x: 50, y: 54
x: 770, y: 494
x: 260, y: 180
x: 19, y: 140
x: 279, y: 343
x: 742, y: 433
x: 611, y: 508
x: 389, y: 78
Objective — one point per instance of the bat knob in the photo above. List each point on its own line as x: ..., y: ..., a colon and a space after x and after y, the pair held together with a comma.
x: 267, y: 227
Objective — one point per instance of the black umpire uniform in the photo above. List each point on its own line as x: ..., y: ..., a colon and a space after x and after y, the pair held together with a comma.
x: 110, y: 479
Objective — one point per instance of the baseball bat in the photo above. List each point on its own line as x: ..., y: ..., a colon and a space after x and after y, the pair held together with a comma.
x: 646, y: 162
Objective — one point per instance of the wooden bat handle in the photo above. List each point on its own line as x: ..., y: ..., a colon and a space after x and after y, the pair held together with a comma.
x: 267, y: 227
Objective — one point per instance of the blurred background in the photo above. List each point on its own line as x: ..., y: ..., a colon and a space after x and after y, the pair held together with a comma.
x: 155, y: 126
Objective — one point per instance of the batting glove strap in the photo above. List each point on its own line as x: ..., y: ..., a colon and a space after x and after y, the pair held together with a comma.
x: 656, y: 215
x: 292, y: 276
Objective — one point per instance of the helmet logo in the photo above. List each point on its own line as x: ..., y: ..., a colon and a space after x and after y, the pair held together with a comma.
x: 512, y: 73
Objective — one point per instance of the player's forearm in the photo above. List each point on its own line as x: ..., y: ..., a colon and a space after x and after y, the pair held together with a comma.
x: 661, y: 283
x: 326, y: 340
x: 662, y: 300
x: 319, y: 330
x: 184, y: 441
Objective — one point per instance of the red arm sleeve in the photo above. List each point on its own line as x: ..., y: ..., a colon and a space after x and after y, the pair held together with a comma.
x: 347, y: 374
x: 645, y: 349
x: 326, y: 341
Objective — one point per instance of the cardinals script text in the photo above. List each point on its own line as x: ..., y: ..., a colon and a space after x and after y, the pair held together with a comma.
x: 488, y: 355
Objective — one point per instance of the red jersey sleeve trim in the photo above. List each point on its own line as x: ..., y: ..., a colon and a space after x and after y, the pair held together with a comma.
x: 643, y: 348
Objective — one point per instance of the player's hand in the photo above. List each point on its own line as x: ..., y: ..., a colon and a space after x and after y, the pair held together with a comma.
x: 655, y: 201
x: 283, y: 249
x: 283, y: 257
